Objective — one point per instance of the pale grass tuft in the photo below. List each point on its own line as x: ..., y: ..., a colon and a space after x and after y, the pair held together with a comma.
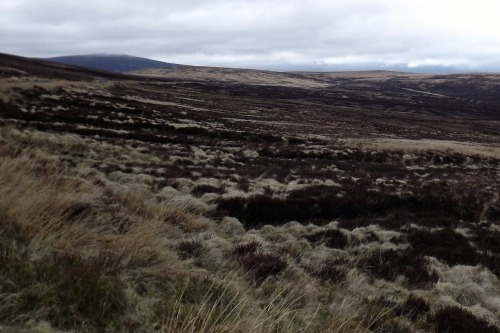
x: 468, y: 286
x: 409, y: 146
x: 232, y: 226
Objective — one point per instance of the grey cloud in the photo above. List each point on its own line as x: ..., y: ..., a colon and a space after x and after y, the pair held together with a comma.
x: 318, y: 34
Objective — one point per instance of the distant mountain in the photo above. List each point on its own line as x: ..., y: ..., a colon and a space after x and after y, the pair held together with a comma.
x: 111, y: 62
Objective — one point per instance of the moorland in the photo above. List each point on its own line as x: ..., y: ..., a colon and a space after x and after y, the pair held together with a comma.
x: 194, y: 199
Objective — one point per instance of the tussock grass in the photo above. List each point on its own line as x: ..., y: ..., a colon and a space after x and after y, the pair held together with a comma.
x: 85, y: 249
x: 82, y: 251
x: 64, y: 289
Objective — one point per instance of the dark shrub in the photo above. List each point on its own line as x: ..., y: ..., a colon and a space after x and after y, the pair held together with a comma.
x: 333, y: 238
x: 295, y: 141
x: 358, y: 222
x: 188, y: 249
x: 390, y: 264
x: 443, y: 244
x: 247, y: 248
x: 487, y: 240
x: 269, y: 137
x: 261, y: 264
x: 199, y: 190
x: 288, y: 153
x: 494, y: 213
x: 457, y: 320
x: 290, y: 252
x: 323, y: 204
x: 492, y: 262
x: 414, y: 307
x: 191, y: 130
x: 319, y: 204
x: 243, y: 184
x: 329, y: 271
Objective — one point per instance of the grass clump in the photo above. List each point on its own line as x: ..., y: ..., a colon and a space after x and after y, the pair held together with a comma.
x: 196, y: 304
x: 63, y: 289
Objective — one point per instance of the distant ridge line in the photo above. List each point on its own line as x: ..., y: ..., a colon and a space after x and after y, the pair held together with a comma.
x: 119, y: 63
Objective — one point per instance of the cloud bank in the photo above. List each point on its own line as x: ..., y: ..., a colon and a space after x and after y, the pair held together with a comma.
x: 272, y: 34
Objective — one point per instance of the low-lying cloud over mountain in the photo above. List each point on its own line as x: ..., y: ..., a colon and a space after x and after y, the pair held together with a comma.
x: 111, y: 62
x: 438, y: 35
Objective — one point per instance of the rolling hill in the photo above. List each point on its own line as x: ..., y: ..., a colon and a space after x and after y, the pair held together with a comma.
x: 112, y: 62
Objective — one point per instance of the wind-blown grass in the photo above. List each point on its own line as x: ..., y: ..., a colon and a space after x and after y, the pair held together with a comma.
x: 85, y: 250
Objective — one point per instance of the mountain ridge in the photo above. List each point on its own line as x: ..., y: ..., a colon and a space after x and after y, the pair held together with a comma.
x: 120, y: 63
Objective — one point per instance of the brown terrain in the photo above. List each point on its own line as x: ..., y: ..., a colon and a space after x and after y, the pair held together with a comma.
x: 378, y: 188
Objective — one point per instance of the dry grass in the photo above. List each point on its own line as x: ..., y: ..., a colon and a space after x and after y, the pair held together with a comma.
x: 410, y: 146
x: 120, y: 254
x: 107, y: 252
x: 233, y: 75
x: 168, y: 206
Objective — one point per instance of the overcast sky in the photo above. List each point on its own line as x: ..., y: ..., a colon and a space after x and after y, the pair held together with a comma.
x: 272, y: 34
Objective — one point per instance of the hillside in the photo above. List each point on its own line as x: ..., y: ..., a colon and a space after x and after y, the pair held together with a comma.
x: 111, y: 62
x: 222, y: 200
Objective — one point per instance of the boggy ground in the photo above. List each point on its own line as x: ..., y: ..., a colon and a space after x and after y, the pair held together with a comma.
x: 214, y: 200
